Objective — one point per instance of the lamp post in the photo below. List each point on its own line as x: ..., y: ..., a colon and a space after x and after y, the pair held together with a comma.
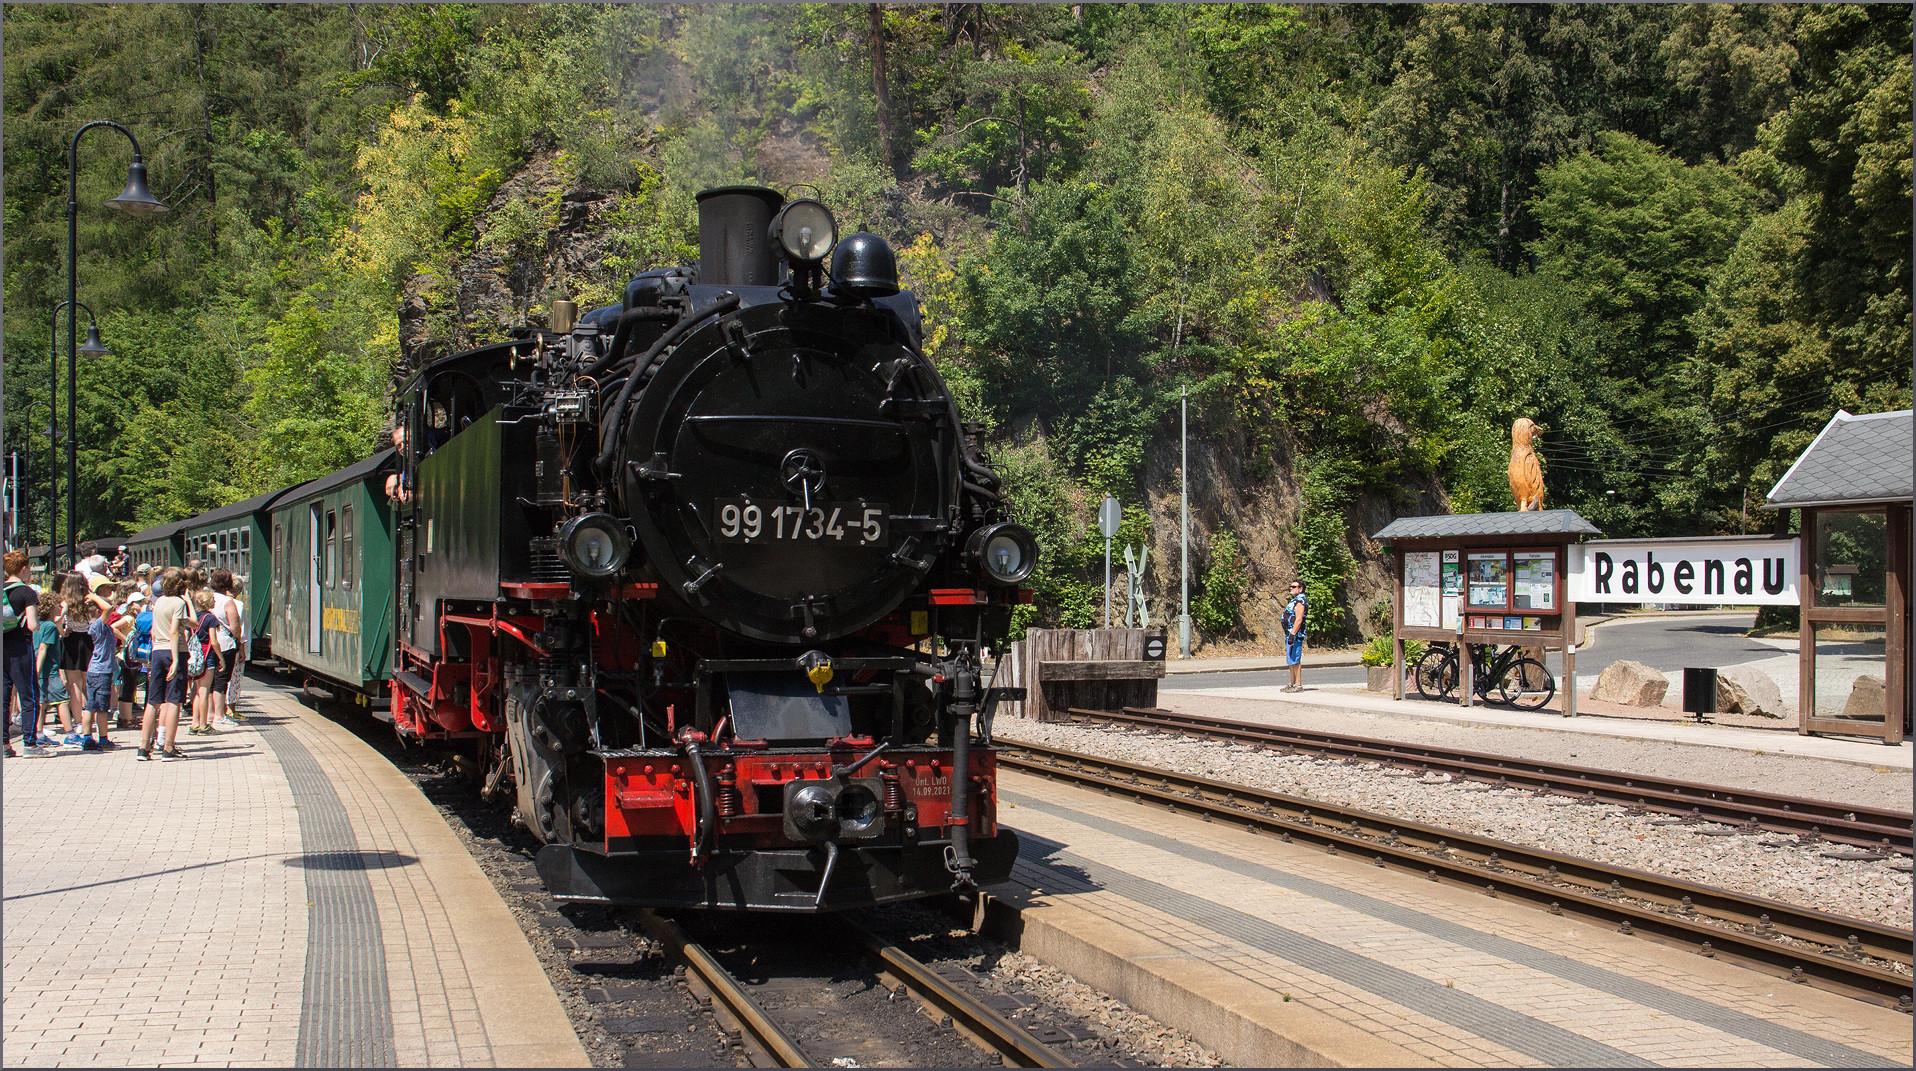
x: 134, y: 200
x: 92, y: 347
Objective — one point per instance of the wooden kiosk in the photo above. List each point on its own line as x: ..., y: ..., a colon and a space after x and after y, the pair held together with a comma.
x: 1853, y: 487
x: 1496, y: 578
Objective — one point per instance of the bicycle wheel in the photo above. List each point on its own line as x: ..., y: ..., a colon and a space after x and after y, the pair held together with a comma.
x: 1526, y: 684
x: 1436, y: 674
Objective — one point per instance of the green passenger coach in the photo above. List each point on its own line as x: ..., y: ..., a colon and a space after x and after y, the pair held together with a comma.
x: 234, y: 538
x: 331, y: 577
x: 158, y: 546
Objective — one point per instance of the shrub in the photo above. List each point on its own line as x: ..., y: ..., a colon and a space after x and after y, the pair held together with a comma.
x: 1377, y: 651
x: 1215, y: 608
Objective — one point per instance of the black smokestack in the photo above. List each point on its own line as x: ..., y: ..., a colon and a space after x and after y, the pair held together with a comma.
x: 734, y: 249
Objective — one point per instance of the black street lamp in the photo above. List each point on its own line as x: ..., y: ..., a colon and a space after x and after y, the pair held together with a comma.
x: 135, y: 200
x: 92, y: 346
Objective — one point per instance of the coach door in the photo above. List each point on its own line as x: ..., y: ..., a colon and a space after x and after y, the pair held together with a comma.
x: 315, y: 598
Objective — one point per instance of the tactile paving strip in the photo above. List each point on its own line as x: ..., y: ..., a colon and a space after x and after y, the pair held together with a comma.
x: 345, y: 1008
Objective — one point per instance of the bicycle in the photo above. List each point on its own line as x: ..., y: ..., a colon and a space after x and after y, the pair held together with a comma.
x: 1521, y: 682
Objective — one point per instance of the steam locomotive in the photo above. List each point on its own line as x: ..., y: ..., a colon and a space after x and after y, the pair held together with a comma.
x: 706, y: 577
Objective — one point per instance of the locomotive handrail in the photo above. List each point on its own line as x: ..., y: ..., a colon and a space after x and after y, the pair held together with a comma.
x: 615, y: 417
x: 495, y: 624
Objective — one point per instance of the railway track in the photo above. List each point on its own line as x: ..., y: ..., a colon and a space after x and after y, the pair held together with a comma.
x: 1881, y: 831
x: 1011, y: 1044
x: 1862, y: 959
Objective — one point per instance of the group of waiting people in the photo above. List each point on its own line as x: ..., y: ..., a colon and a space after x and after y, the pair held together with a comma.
x: 81, y: 649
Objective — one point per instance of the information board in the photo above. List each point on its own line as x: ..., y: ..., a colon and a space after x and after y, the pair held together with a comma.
x: 1535, y: 579
x: 1421, y: 589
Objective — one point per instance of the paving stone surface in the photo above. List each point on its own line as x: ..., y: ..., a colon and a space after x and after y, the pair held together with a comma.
x: 160, y: 913
x: 155, y: 912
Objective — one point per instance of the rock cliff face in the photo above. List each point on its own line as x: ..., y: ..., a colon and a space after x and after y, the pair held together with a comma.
x: 1262, y: 510
x: 542, y: 233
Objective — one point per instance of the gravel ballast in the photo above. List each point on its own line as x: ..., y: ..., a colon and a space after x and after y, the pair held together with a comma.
x: 1769, y: 865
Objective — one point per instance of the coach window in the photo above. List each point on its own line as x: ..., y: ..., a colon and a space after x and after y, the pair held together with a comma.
x: 246, y: 551
x: 332, y: 548
x: 279, y: 554
x: 346, y: 547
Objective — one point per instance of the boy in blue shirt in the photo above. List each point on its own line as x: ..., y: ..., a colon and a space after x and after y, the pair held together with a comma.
x: 99, y: 684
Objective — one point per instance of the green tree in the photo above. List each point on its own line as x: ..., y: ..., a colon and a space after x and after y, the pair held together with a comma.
x: 1844, y: 141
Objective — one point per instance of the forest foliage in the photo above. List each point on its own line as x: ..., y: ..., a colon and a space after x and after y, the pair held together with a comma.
x: 1364, y: 237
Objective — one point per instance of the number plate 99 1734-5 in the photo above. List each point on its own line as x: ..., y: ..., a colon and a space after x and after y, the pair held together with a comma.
x: 741, y: 520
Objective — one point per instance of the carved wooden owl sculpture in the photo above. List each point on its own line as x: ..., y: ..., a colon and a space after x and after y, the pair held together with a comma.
x: 1526, y: 473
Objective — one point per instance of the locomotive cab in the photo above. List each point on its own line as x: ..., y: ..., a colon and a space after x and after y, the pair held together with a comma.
x: 707, y: 577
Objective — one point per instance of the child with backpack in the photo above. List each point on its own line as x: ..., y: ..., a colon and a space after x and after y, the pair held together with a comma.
x: 207, y: 658
x: 54, y: 700
x: 134, y: 626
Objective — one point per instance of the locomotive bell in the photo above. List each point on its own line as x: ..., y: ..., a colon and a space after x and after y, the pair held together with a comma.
x: 864, y: 266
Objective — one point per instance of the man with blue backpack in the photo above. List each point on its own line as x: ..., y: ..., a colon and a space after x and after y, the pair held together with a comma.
x: 1294, y: 631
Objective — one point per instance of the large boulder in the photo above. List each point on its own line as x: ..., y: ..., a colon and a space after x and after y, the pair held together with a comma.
x: 1866, y: 698
x: 1748, y: 690
x: 1632, y: 684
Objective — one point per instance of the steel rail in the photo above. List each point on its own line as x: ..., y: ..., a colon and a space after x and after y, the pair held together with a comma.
x: 1885, y: 831
x: 1851, y: 956
x: 727, y: 992
x: 994, y: 1031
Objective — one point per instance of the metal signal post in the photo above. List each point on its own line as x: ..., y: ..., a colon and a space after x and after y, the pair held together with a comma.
x: 1110, y: 515
x: 1184, y: 506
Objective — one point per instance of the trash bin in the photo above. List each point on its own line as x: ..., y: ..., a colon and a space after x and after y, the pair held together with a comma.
x: 1699, y: 691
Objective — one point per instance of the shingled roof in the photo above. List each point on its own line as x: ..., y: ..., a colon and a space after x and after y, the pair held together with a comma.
x: 1855, y: 460
x: 1453, y: 525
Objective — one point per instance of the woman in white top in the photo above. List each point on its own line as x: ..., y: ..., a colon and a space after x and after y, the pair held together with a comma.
x: 166, y: 675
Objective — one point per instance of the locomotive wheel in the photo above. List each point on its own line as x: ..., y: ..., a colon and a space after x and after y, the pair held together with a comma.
x: 537, y: 770
x: 549, y: 817
x: 558, y: 727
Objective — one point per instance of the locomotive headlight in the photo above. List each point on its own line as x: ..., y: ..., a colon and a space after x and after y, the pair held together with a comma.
x: 805, y: 230
x: 594, y: 545
x: 1006, y: 552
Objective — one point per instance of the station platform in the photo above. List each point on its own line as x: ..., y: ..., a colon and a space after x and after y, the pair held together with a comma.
x: 282, y: 897
x: 1275, y: 954
x: 1605, y: 720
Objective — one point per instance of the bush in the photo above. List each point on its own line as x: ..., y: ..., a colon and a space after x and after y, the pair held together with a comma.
x: 1377, y: 651
x: 1215, y: 609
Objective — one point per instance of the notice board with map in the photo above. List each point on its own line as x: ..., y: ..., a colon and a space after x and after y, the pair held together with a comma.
x: 1422, y: 589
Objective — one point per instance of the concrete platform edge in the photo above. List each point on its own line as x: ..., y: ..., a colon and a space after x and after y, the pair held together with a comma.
x: 525, y: 1024
x: 1246, y: 1028
x: 1823, y: 748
